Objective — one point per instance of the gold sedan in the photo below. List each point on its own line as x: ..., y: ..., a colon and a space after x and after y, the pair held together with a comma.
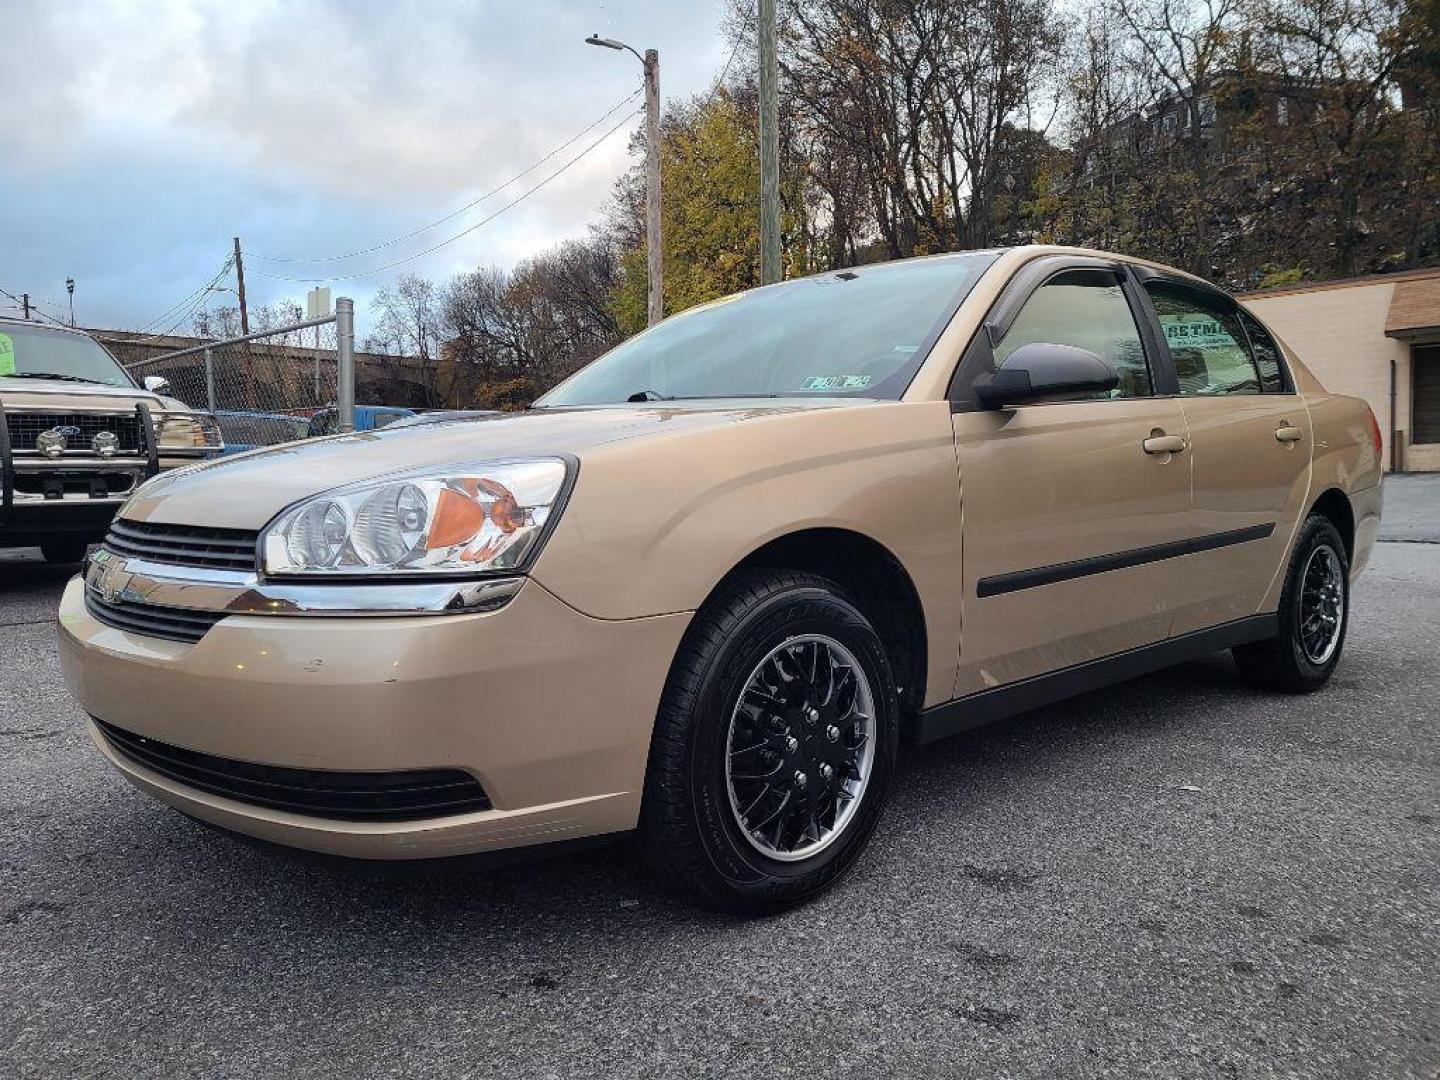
x: 704, y: 588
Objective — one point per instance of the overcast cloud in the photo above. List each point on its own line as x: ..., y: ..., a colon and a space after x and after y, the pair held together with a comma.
x: 137, y: 138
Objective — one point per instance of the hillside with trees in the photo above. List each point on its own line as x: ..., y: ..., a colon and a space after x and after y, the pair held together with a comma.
x: 1253, y: 142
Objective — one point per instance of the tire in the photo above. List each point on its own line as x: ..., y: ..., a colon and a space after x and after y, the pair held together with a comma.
x: 691, y: 830
x: 64, y: 551
x: 1290, y: 662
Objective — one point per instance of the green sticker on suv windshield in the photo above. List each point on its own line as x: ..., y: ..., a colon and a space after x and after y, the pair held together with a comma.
x: 7, y: 355
x: 836, y: 382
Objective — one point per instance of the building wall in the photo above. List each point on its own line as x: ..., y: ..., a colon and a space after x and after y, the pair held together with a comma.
x: 1339, y: 332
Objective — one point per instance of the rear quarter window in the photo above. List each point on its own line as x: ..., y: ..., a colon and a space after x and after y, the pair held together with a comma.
x: 1266, y: 353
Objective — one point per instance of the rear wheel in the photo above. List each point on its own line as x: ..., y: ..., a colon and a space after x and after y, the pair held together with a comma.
x: 774, y: 745
x: 1314, y: 614
x: 63, y: 551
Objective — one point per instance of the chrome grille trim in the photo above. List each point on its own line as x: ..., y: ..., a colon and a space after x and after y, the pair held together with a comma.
x: 113, y: 577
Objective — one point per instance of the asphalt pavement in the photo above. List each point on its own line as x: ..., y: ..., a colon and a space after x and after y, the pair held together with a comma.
x: 1178, y: 877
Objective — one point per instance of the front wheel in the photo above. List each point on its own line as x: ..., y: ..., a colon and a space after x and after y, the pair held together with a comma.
x: 774, y: 745
x: 1314, y: 614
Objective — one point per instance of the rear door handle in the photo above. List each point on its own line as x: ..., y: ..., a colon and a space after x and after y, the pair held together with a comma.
x: 1289, y: 434
x: 1160, y: 443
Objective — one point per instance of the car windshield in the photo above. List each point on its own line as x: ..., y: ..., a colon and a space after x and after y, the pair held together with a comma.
x: 36, y: 352
x: 852, y: 333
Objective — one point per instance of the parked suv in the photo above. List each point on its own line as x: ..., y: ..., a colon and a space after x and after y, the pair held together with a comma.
x: 77, y: 436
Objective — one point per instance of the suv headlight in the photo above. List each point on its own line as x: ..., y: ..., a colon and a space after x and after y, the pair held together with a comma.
x: 462, y: 519
x: 186, y: 431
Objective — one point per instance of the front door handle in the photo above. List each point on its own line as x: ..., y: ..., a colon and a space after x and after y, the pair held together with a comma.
x: 1160, y: 443
x: 1288, y: 434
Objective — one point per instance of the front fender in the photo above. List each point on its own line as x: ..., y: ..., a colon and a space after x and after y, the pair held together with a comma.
x: 654, y: 524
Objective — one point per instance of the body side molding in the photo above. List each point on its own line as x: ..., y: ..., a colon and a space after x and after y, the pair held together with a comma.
x: 1015, y: 580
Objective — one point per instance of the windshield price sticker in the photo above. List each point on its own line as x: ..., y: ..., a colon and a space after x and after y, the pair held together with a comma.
x: 7, y: 355
x: 836, y: 382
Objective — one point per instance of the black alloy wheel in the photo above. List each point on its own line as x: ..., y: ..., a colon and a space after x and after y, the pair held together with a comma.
x: 774, y: 746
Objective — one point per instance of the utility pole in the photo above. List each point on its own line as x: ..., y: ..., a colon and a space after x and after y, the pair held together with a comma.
x: 769, y: 149
x: 654, y: 253
x: 240, y: 289
x: 654, y: 247
x: 25, y: 305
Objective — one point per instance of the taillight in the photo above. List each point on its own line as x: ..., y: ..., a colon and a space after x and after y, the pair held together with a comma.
x: 1375, y: 436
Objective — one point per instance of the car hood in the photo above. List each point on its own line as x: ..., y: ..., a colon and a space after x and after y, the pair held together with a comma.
x: 247, y: 490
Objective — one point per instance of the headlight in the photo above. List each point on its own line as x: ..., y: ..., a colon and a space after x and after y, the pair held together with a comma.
x: 463, y: 519
x: 186, y: 431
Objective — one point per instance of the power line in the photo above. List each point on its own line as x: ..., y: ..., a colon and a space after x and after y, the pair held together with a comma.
x: 33, y: 310
x: 183, y: 317
x: 190, y: 305
x: 200, y: 292
x: 187, y: 299
x: 468, y: 206
x: 464, y: 232
x: 739, y: 37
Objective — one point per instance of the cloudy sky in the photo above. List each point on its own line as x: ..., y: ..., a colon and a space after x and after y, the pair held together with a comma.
x: 137, y: 138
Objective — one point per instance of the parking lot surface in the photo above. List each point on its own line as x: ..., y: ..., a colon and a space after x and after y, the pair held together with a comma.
x: 1178, y: 877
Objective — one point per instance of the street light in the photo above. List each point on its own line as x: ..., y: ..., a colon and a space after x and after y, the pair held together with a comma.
x: 70, y: 288
x: 653, y: 264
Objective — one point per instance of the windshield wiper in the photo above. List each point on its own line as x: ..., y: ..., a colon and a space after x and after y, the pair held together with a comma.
x: 53, y: 375
x: 649, y: 395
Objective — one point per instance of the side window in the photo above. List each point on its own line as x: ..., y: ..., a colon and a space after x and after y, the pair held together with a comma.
x: 1087, y: 309
x: 1266, y: 353
x: 1206, y: 341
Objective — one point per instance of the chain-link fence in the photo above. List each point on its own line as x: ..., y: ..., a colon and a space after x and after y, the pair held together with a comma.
x: 272, y: 386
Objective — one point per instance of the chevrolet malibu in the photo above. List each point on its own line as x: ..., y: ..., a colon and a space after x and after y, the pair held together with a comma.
x: 702, y: 589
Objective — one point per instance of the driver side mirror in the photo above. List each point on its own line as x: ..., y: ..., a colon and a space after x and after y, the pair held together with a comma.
x: 1042, y: 370
x: 157, y: 384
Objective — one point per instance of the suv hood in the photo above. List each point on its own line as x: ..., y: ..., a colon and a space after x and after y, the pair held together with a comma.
x: 78, y: 397
x: 246, y: 491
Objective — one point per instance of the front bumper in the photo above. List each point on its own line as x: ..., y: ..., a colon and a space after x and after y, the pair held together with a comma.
x: 29, y: 517
x: 549, y: 709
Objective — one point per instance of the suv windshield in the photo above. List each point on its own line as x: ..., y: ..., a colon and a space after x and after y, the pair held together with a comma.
x: 40, y: 353
x: 852, y: 333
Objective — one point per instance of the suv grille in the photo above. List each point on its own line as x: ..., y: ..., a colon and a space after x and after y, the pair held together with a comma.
x: 25, y: 427
x: 354, y: 796
x: 174, y: 624
x: 183, y: 545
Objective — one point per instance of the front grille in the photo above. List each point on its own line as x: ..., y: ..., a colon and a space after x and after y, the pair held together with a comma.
x: 407, y: 795
x: 173, y: 624
x: 25, y: 427
x: 183, y: 545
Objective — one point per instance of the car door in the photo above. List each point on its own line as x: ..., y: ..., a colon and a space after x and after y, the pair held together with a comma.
x: 1250, y: 450
x: 1069, y: 507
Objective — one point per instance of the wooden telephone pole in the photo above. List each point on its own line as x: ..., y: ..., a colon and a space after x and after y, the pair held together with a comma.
x: 769, y: 149
x: 240, y: 288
